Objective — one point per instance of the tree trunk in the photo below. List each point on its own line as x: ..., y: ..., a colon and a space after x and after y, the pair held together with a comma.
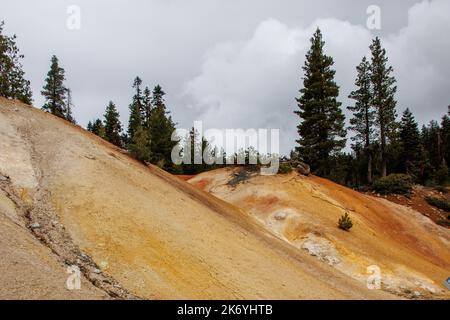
x: 383, y: 166
x: 439, y: 145
x: 383, y: 150
x: 368, y: 151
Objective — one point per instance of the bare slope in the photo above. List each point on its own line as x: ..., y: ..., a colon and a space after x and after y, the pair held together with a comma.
x: 150, y: 234
x: 410, y: 250
x: 28, y: 269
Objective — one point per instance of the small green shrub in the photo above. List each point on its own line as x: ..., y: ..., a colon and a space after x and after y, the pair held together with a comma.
x: 441, y: 176
x: 394, y: 184
x: 438, y: 203
x: 284, y: 168
x: 345, y: 222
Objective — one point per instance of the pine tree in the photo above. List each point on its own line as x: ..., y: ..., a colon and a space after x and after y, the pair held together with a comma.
x: 384, y: 90
x: 161, y: 128
x: 54, y: 92
x: 441, y: 176
x: 430, y: 138
x: 158, y: 97
x: 69, y: 105
x: 113, y: 127
x: 5, y: 64
x: 411, y: 151
x: 89, y: 126
x: 363, y: 120
x: 322, y: 132
x: 431, y: 141
x: 147, y: 107
x: 135, y: 120
x: 20, y: 88
x: 97, y: 128
x: 140, y: 144
x: 445, y: 128
x: 13, y: 85
x: 191, y: 148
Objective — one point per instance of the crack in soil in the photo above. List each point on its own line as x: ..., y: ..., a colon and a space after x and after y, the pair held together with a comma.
x: 43, y: 223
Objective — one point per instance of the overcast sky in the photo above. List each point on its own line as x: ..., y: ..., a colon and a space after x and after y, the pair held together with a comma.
x: 232, y: 64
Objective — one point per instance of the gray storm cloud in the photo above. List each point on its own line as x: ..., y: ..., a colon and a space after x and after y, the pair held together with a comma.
x: 253, y: 83
x: 232, y: 64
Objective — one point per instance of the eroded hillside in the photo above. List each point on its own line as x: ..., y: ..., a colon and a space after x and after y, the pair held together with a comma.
x: 412, y: 253
x: 69, y: 198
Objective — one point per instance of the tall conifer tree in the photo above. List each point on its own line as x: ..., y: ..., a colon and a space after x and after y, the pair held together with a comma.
x: 161, y: 129
x: 321, y: 131
x: 113, y: 127
x: 363, y: 120
x: 445, y: 127
x: 411, y: 151
x: 384, y: 89
x: 140, y: 144
x: 136, y: 105
x: 13, y: 84
x: 69, y: 107
x: 147, y: 107
x: 54, y: 91
x: 430, y: 137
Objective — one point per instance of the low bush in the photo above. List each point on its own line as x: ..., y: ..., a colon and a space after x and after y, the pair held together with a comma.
x: 441, y: 176
x: 284, y: 168
x: 394, y: 184
x: 345, y: 222
x: 438, y: 203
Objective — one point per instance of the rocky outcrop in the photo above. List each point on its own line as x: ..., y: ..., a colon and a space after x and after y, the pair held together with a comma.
x: 299, y: 166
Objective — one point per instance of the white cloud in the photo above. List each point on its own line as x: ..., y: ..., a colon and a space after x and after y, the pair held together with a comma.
x: 253, y: 83
x: 419, y: 54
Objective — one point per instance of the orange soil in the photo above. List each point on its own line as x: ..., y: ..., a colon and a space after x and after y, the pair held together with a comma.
x: 185, y: 177
x: 158, y: 236
x: 417, y: 202
x: 411, y: 250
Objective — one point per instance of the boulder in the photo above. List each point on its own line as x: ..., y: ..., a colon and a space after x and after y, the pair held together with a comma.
x: 303, y: 168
